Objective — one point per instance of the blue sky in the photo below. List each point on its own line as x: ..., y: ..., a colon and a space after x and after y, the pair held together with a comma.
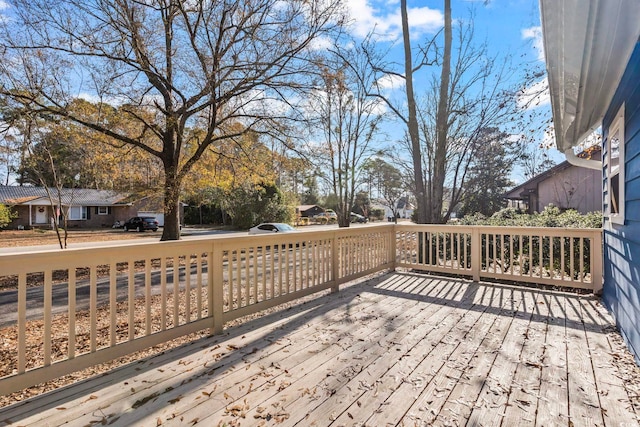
x: 510, y: 27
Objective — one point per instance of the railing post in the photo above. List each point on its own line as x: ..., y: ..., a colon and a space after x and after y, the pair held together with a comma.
x: 596, y: 261
x: 216, y: 289
x: 335, y: 262
x: 476, y: 253
x: 393, y: 246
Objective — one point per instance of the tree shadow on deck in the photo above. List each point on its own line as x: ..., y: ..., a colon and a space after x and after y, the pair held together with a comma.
x: 562, y: 306
x: 164, y: 381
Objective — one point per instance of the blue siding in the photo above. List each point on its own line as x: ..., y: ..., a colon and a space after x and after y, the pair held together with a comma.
x: 621, y: 292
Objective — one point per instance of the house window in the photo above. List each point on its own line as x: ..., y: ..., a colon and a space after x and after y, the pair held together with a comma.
x: 77, y: 213
x: 103, y: 210
x: 614, y: 163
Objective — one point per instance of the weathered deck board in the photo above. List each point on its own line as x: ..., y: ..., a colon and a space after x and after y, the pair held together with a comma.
x: 523, y: 390
x: 584, y: 404
x: 608, y: 382
x: 553, y: 404
x: 403, y: 349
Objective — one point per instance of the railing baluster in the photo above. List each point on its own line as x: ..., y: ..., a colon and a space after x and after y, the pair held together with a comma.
x: 287, y: 270
x: 254, y: 262
x: 551, y: 258
x: 113, y: 308
x: 247, y: 271
x: 131, y: 304
x: 187, y: 287
x: 581, y: 260
x: 48, y: 300
x: 176, y: 291
x: 147, y: 295
x: 71, y: 292
x: 163, y: 293
x: 511, y: 254
x: 263, y: 262
x: 272, y: 273
x: 571, y: 259
x: 280, y: 272
x: 93, y: 302
x: 22, y: 322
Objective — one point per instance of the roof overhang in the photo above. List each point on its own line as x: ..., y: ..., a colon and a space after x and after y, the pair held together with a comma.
x: 587, y: 46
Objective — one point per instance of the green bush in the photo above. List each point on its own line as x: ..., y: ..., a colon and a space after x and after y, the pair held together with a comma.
x: 551, y: 216
x: 6, y: 216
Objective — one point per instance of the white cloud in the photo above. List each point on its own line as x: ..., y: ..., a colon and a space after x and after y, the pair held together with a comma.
x: 535, y: 34
x: 535, y: 96
x: 384, y: 19
x: 390, y: 82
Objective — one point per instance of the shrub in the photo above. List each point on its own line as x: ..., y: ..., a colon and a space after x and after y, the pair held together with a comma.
x: 6, y: 216
x: 551, y: 216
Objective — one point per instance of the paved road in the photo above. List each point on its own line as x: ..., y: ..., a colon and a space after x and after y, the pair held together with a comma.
x: 187, y: 234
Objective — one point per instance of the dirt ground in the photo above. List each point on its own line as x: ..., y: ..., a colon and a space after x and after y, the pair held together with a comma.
x: 17, y: 238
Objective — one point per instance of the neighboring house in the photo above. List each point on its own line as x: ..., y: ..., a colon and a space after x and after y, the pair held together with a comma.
x: 308, y: 211
x: 564, y: 185
x: 593, y: 62
x: 86, y: 208
x: 404, y: 208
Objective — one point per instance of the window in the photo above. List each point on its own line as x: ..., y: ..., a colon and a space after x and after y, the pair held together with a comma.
x: 614, y: 163
x: 77, y: 213
x: 103, y: 210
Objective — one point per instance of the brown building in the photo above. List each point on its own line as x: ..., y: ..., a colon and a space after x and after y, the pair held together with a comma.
x: 565, y: 186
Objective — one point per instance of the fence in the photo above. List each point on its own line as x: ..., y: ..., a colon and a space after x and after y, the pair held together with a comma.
x: 69, y: 310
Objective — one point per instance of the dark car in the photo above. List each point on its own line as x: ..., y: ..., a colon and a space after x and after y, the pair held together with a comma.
x: 141, y: 223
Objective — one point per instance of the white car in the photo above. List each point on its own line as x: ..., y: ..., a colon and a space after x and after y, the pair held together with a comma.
x: 271, y: 227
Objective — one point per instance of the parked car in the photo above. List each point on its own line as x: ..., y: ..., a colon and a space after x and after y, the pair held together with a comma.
x: 328, y: 216
x: 358, y: 218
x: 141, y: 223
x: 271, y: 227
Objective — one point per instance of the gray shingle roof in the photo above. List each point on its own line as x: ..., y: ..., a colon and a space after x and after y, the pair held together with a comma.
x: 13, y: 195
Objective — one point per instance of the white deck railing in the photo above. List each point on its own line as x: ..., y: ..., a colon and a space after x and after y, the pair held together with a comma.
x: 567, y: 257
x: 69, y: 310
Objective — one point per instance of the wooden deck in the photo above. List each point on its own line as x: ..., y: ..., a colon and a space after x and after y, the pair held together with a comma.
x: 401, y: 349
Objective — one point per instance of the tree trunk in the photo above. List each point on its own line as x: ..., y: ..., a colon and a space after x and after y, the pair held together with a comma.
x: 412, y: 121
x: 172, y: 185
x: 442, y: 126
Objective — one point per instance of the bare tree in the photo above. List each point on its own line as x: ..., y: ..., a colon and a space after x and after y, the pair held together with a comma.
x: 37, y: 144
x: 423, y: 212
x: 348, y: 119
x: 171, y: 67
x: 478, y: 102
x: 468, y: 93
x: 534, y: 160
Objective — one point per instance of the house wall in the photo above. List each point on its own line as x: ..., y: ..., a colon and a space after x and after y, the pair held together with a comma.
x: 94, y: 220
x: 621, y: 293
x: 311, y: 212
x: 572, y: 188
x: 22, y: 219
